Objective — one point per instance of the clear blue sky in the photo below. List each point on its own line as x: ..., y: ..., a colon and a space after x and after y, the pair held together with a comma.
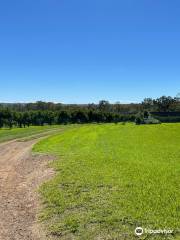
x: 86, y: 50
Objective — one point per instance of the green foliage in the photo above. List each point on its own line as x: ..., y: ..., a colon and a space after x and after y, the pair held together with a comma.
x: 112, y: 178
x: 42, y: 113
x: 162, y: 104
x: 41, y: 118
x: 139, y: 118
x: 145, y: 118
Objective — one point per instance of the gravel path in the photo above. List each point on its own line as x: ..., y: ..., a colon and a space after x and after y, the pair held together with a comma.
x: 20, y: 175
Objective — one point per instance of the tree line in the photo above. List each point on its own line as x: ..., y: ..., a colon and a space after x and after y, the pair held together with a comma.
x: 10, y: 118
x: 41, y: 113
x: 162, y: 104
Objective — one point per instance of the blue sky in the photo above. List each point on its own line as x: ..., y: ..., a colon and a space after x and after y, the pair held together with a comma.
x: 87, y: 50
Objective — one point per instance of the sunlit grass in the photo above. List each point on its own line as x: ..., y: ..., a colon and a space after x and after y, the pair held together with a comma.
x: 111, y: 178
x: 10, y: 134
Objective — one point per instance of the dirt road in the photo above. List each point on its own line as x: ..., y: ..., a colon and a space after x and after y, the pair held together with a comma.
x: 20, y: 175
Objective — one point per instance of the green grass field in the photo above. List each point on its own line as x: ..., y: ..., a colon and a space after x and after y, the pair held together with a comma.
x: 112, y: 178
x: 28, y: 132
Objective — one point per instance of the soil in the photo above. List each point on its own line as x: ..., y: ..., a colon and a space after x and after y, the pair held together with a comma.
x: 21, y: 173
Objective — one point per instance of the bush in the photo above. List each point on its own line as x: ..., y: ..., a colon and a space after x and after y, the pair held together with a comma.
x: 139, y: 121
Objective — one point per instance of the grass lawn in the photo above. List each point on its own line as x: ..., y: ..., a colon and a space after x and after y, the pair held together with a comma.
x: 112, y: 178
x: 10, y: 134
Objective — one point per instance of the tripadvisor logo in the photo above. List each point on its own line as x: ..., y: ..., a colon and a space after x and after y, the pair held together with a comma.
x: 139, y: 231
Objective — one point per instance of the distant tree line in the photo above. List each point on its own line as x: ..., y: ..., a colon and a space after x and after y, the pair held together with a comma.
x: 162, y: 104
x: 40, y: 113
x: 9, y: 118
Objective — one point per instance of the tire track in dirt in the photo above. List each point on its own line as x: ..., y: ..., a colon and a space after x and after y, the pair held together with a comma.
x: 20, y: 175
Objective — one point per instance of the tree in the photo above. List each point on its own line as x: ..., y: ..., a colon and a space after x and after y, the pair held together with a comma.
x: 148, y: 104
x: 63, y: 117
x: 164, y: 103
x: 49, y: 117
x: 146, y: 114
x: 8, y: 118
x: 1, y: 118
x: 27, y: 119
x: 79, y: 117
x: 104, y: 106
x: 18, y: 118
